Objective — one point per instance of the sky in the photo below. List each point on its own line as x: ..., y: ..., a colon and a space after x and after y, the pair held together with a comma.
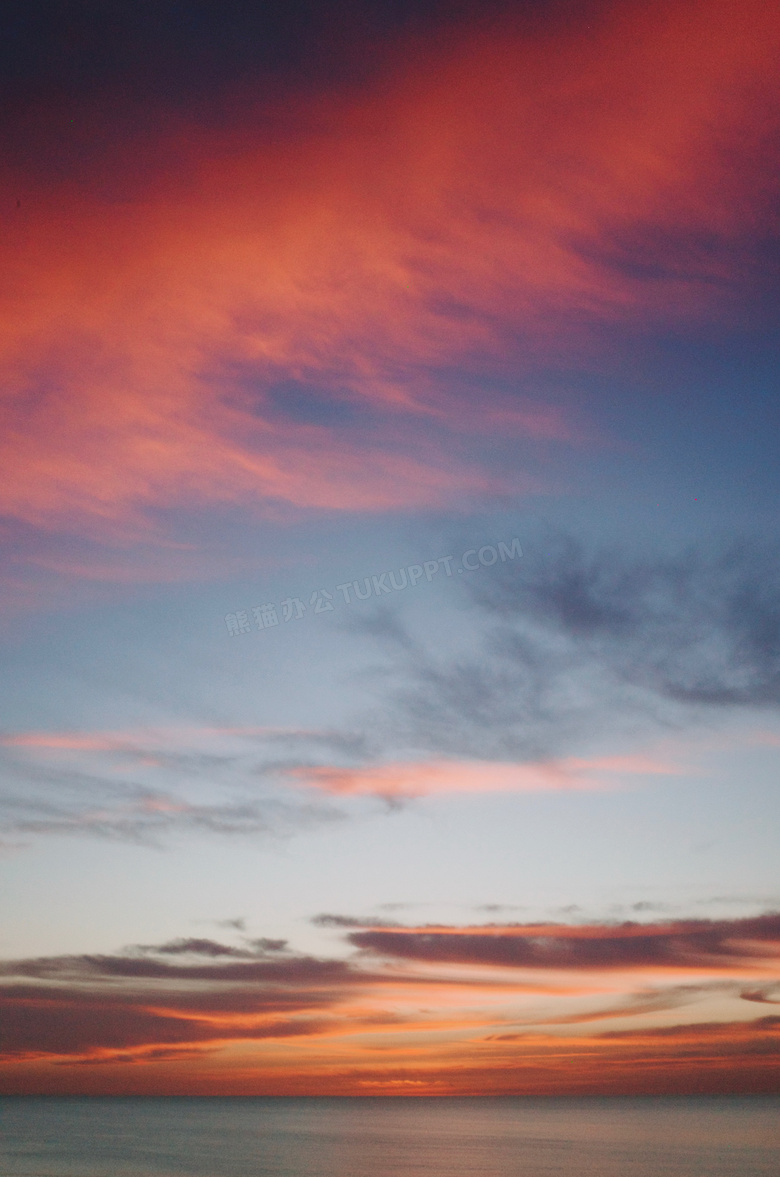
x: 388, y: 547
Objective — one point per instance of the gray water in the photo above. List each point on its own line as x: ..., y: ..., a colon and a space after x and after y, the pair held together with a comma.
x: 662, y: 1137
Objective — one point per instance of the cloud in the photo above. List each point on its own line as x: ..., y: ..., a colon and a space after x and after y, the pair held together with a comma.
x: 78, y: 1004
x: 304, y: 1023
x: 701, y: 627
x: 297, y: 970
x: 155, y: 1055
x: 195, y: 946
x: 420, y: 779
x: 699, y: 1030
x: 149, y: 785
x: 286, y: 307
x: 268, y: 944
x: 572, y: 645
x: 91, y: 807
x: 762, y: 996
x: 329, y: 920
x: 57, y: 1027
x: 649, y: 1001
x: 578, y: 642
x: 678, y: 945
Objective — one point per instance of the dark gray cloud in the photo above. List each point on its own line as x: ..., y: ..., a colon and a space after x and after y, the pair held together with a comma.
x: 329, y: 920
x: 680, y: 944
x: 574, y: 641
x: 264, y: 944
x: 165, y: 995
x: 197, y: 946
x: 54, y: 1023
x: 698, y: 627
x: 213, y: 949
x: 296, y: 970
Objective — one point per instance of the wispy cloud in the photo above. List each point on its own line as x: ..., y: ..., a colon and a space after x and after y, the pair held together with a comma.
x: 679, y: 945
x: 420, y: 779
x: 581, y: 643
x: 700, y: 627
x: 574, y: 645
x: 149, y: 785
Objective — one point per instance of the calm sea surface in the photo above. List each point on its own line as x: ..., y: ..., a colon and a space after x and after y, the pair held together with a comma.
x: 702, y: 1137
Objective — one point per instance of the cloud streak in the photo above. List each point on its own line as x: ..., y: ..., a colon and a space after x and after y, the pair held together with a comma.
x: 405, y: 780
x: 581, y: 643
x: 150, y: 785
x: 679, y: 946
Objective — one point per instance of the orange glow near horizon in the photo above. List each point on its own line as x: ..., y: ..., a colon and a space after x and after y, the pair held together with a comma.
x: 698, y: 1058
x: 249, y: 1022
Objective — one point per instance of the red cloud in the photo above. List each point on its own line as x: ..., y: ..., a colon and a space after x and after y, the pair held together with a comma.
x: 471, y: 214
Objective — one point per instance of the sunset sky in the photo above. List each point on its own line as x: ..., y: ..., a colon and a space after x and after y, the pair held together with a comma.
x: 390, y: 555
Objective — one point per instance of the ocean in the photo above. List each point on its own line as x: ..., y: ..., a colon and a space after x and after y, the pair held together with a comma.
x: 375, y: 1137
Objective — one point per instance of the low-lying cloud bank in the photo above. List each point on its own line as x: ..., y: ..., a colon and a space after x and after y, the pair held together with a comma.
x: 499, y: 1003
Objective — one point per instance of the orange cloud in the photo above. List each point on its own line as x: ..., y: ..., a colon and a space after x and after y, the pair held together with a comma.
x: 474, y: 213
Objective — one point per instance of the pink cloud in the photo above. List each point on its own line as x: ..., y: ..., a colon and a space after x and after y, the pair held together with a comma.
x: 476, y: 213
x: 426, y: 778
